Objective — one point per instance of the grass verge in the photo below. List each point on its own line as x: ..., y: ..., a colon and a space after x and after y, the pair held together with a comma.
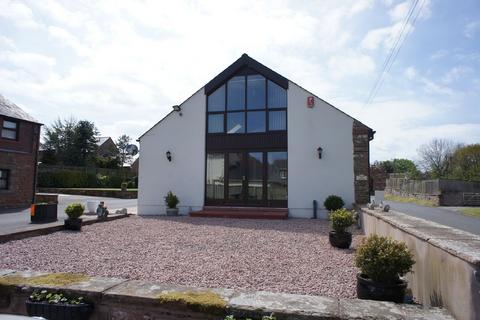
x: 472, y: 212
x: 420, y: 202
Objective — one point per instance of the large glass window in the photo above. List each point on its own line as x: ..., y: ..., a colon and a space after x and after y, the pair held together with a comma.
x: 215, y: 176
x: 216, y: 100
x: 277, y: 175
x: 277, y: 96
x: 235, y: 176
x: 235, y: 122
x: 10, y: 130
x: 215, y: 123
x: 256, y: 121
x: 277, y: 120
x: 255, y: 175
x: 236, y: 93
x: 256, y: 92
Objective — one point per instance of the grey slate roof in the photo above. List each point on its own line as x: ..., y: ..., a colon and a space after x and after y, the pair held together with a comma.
x: 102, y: 140
x: 10, y: 109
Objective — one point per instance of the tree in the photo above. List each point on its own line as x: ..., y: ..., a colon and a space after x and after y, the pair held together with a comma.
x: 436, y: 157
x: 399, y: 166
x: 466, y: 163
x: 71, y: 142
x: 122, y: 144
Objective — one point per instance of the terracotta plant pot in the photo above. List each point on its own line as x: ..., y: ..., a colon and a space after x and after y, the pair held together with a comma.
x: 340, y: 240
x: 371, y: 290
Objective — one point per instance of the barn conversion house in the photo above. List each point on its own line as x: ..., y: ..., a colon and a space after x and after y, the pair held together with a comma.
x: 250, y: 138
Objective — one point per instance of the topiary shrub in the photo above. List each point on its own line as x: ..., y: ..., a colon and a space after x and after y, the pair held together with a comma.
x: 341, y: 219
x: 74, y: 210
x: 171, y: 200
x: 383, y: 259
x: 333, y: 203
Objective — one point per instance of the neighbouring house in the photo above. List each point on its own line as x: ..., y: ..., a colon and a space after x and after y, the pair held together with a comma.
x: 252, y: 138
x: 106, y: 148
x: 19, y: 141
x: 135, y: 164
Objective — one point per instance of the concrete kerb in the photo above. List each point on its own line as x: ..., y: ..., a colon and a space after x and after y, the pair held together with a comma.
x: 135, y: 299
x: 52, y: 227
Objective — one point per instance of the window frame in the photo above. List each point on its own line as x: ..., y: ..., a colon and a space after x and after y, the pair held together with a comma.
x: 7, y: 179
x: 16, y: 130
x: 245, y: 110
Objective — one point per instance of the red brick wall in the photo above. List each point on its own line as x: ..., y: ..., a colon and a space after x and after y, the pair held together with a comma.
x: 20, y: 158
x: 361, y: 162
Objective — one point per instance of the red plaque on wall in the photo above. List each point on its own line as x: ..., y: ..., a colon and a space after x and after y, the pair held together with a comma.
x: 310, y: 101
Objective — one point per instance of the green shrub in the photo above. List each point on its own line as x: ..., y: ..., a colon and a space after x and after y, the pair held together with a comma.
x: 54, y: 298
x: 333, y: 203
x: 171, y: 200
x: 341, y: 220
x: 74, y: 210
x: 383, y: 259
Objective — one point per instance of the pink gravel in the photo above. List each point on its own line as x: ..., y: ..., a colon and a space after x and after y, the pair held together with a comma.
x: 291, y: 256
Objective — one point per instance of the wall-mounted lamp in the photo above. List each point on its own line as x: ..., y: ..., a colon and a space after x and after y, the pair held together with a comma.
x: 320, y: 151
x: 178, y: 109
x: 169, y: 155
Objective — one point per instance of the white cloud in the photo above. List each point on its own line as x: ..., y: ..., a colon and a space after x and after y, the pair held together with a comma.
x: 399, y: 12
x: 410, y: 73
x: 351, y: 63
x: 471, y: 29
x: 439, y: 54
x: 456, y: 73
x: 67, y: 39
x: 18, y: 13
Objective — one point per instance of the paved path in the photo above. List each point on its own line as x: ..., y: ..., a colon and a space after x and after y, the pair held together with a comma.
x: 19, y: 220
x: 439, y: 215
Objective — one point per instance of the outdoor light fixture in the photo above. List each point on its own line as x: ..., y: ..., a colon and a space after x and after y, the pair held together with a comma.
x: 178, y: 109
x: 319, y: 150
x: 169, y: 155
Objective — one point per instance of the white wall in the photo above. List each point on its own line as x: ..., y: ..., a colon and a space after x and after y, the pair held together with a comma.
x: 311, y: 178
x: 184, y: 137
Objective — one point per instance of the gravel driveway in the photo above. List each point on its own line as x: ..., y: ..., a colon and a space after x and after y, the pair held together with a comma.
x: 284, y: 256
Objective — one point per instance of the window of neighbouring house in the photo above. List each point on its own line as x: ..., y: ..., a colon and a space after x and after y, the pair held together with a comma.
x: 4, y: 176
x: 247, y: 104
x: 10, y: 130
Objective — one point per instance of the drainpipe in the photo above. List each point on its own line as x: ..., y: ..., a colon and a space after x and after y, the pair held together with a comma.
x: 315, y: 205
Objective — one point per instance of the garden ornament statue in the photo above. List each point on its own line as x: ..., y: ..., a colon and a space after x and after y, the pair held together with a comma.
x: 102, y: 211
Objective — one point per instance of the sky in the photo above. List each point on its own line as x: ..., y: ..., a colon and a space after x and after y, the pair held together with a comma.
x: 124, y: 64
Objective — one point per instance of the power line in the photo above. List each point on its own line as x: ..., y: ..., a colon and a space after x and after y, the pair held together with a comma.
x: 394, y: 50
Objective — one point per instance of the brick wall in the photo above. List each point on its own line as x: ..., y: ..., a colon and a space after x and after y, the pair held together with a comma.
x: 361, y: 161
x: 378, y: 178
x: 19, y: 157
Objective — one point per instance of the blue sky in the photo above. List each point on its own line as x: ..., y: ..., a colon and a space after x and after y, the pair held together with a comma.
x: 123, y: 64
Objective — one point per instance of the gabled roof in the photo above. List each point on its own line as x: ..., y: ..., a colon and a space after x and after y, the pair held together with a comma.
x: 102, y: 140
x: 10, y: 109
x: 245, y: 62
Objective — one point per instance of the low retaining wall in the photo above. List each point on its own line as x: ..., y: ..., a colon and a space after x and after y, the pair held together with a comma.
x: 93, y: 192
x: 134, y: 299
x: 447, y: 268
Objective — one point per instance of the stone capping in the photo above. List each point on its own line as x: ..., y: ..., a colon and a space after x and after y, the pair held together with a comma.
x: 134, y: 299
x: 461, y: 244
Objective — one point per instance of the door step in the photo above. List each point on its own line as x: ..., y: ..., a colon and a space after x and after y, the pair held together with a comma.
x: 242, y: 213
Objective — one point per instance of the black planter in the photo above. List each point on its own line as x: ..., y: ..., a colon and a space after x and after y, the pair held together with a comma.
x: 73, y: 224
x: 43, y: 213
x: 371, y: 290
x: 340, y: 240
x: 59, y: 311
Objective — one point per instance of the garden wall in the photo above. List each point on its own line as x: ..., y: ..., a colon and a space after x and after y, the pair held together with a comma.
x: 447, y: 269
x: 92, y: 192
x: 134, y: 299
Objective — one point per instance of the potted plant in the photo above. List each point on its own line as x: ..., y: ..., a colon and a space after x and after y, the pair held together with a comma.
x: 74, y: 211
x: 43, y: 212
x: 339, y: 237
x: 171, y: 201
x: 382, y: 262
x: 57, y: 306
x: 333, y: 203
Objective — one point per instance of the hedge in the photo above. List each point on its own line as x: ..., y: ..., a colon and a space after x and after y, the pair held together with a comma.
x: 77, y: 179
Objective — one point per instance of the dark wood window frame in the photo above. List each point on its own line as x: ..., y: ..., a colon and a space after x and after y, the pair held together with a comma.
x: 16, y: 130
x: 245, y: 110
x: 6, y: 178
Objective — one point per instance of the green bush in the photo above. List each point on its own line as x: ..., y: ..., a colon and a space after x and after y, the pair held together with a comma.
x: 171, y: 200
x: 74, y: 210
x: 341, y: 219
x: 65, y: 178
x: 383, y: 259
x: 333, y: 203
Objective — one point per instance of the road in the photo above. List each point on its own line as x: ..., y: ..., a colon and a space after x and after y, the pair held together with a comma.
x: 11, y: 220
x: 440, y: 215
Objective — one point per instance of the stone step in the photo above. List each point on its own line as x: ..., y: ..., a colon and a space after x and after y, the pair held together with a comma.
x: 241, y: 213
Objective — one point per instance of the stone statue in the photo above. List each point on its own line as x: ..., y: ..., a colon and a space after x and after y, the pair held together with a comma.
x: 102, y: 211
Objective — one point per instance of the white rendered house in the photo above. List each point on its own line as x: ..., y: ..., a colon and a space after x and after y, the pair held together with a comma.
x: 252, y: 138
